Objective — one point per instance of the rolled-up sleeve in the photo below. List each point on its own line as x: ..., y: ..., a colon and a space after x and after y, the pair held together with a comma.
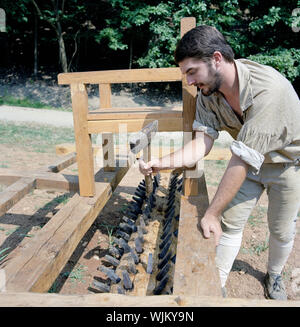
x: 206, y: 120
x: 264, y: 131
x: 248, y: 155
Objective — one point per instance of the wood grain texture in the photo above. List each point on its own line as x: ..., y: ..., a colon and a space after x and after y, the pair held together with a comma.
x: 133, y: 125
x: 189, y: 95
x: 29, y: 299
x: 62, y: 163
x: 36, y: 266
x: 105, y: 95
x: 108, y: 148
x: 43, y: 180
x: 195, y: 270
x: 135, y: 113
x: 122, y: 76
x: 15, y: 192
x: 83, y: 141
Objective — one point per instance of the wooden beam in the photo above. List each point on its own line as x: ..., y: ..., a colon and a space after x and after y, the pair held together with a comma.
x: 143, y: 75
x: 38, y: 265
x: 135, y: 113
x: 195, y: 270
x: 29, y: 299
x: 83, y: 140
x: 15, y: 192
x: 62, y: 163
x: 189, y: 94
x: 105, y: 95
x: 134, y: 125
x: 214, y: 154
x: 44, y: 180
x: 108, y: 148
x: 107, y: 138
x: 35, y: 267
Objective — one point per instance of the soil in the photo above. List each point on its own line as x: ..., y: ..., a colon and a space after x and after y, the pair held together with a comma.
x: 28, y: 216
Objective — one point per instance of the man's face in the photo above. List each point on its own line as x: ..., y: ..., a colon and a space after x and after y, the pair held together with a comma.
x: 201, y: 74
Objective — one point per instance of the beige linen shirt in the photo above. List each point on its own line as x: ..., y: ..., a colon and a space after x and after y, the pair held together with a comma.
x: 270, y: 128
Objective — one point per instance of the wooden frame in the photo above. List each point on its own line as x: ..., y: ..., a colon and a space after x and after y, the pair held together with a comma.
x: 37, y: 265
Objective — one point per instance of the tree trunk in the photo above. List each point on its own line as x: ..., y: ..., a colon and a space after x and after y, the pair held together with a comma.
x: 130, y: 52
x: 62, y: 49
x: 35, y: 63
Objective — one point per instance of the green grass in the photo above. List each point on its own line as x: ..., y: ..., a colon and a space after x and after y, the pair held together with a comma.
x: 258, y: 248
x: 57, y: 200
x: 25, y: 102
x: 214, y: 170
x: 77, y: 274
x: 36, y: 138
x: 1, y: 254
x: 257, y: 216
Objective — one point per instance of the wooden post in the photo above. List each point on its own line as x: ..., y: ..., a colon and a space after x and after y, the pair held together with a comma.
x: 189, y: 93
x: 107, y: 138
x: 83, y: 140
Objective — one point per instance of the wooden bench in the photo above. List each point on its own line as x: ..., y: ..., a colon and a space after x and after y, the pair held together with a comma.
x: 107, y: 120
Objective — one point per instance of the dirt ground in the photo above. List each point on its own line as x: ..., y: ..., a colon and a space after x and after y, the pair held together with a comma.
x: 28, y: 216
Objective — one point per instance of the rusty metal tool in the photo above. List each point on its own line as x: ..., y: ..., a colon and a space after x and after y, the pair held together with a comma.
x: 142, y: 141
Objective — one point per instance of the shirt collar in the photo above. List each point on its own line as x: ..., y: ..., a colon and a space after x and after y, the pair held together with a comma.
x: 245, y: 89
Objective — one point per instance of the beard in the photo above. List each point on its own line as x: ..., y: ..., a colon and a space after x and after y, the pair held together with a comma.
x: 214, y: 84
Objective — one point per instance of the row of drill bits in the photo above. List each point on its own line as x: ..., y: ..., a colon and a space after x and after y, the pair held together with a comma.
x: 168, y: 240
x: 123, y: 257
x: 124, y: 254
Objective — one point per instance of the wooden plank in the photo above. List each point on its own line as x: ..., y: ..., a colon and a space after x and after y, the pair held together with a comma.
x: 143, y: 75
x: 15, y: 192
x: 107, y: 138
x: 35, y: 267
x: 109, y: 159
x: 44, y: 180
x: 133, y: 125
x: 29, y: 299
x: 105, y: 96
x: 195, y: 270
x: 62, y: 163
x: 135, y: 113
x: 38, y: 265
x: 214, y: 154
x: 189, y: 94
x: 84, y: 152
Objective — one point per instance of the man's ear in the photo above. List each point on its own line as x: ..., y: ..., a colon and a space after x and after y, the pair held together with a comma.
x: 217, y: 58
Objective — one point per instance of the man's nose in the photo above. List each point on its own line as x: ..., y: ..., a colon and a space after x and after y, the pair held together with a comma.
x: 190, y: 80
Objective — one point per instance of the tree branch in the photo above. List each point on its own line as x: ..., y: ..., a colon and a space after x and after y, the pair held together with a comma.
x: 41, y: 14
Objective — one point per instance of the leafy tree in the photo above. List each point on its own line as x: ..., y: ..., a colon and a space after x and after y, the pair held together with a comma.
x: 250, y: 26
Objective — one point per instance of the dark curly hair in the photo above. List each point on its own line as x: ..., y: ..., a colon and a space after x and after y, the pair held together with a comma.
x: 201, y: 42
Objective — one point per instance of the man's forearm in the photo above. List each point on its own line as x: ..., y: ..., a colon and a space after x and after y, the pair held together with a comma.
x: 231, y: 182
x: 188, y: 155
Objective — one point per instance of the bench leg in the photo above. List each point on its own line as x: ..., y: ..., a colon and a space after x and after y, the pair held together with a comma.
x: 85, y: 160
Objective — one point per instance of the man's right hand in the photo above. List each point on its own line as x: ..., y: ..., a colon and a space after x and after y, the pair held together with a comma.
x: 211, y: 224
x: 149, y: 167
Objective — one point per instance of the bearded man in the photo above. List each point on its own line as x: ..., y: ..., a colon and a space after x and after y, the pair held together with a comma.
x: 260, y: 109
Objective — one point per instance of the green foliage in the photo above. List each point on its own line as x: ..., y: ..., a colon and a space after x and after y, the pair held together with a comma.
x: 286, y: 61
x: 144, y: 33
